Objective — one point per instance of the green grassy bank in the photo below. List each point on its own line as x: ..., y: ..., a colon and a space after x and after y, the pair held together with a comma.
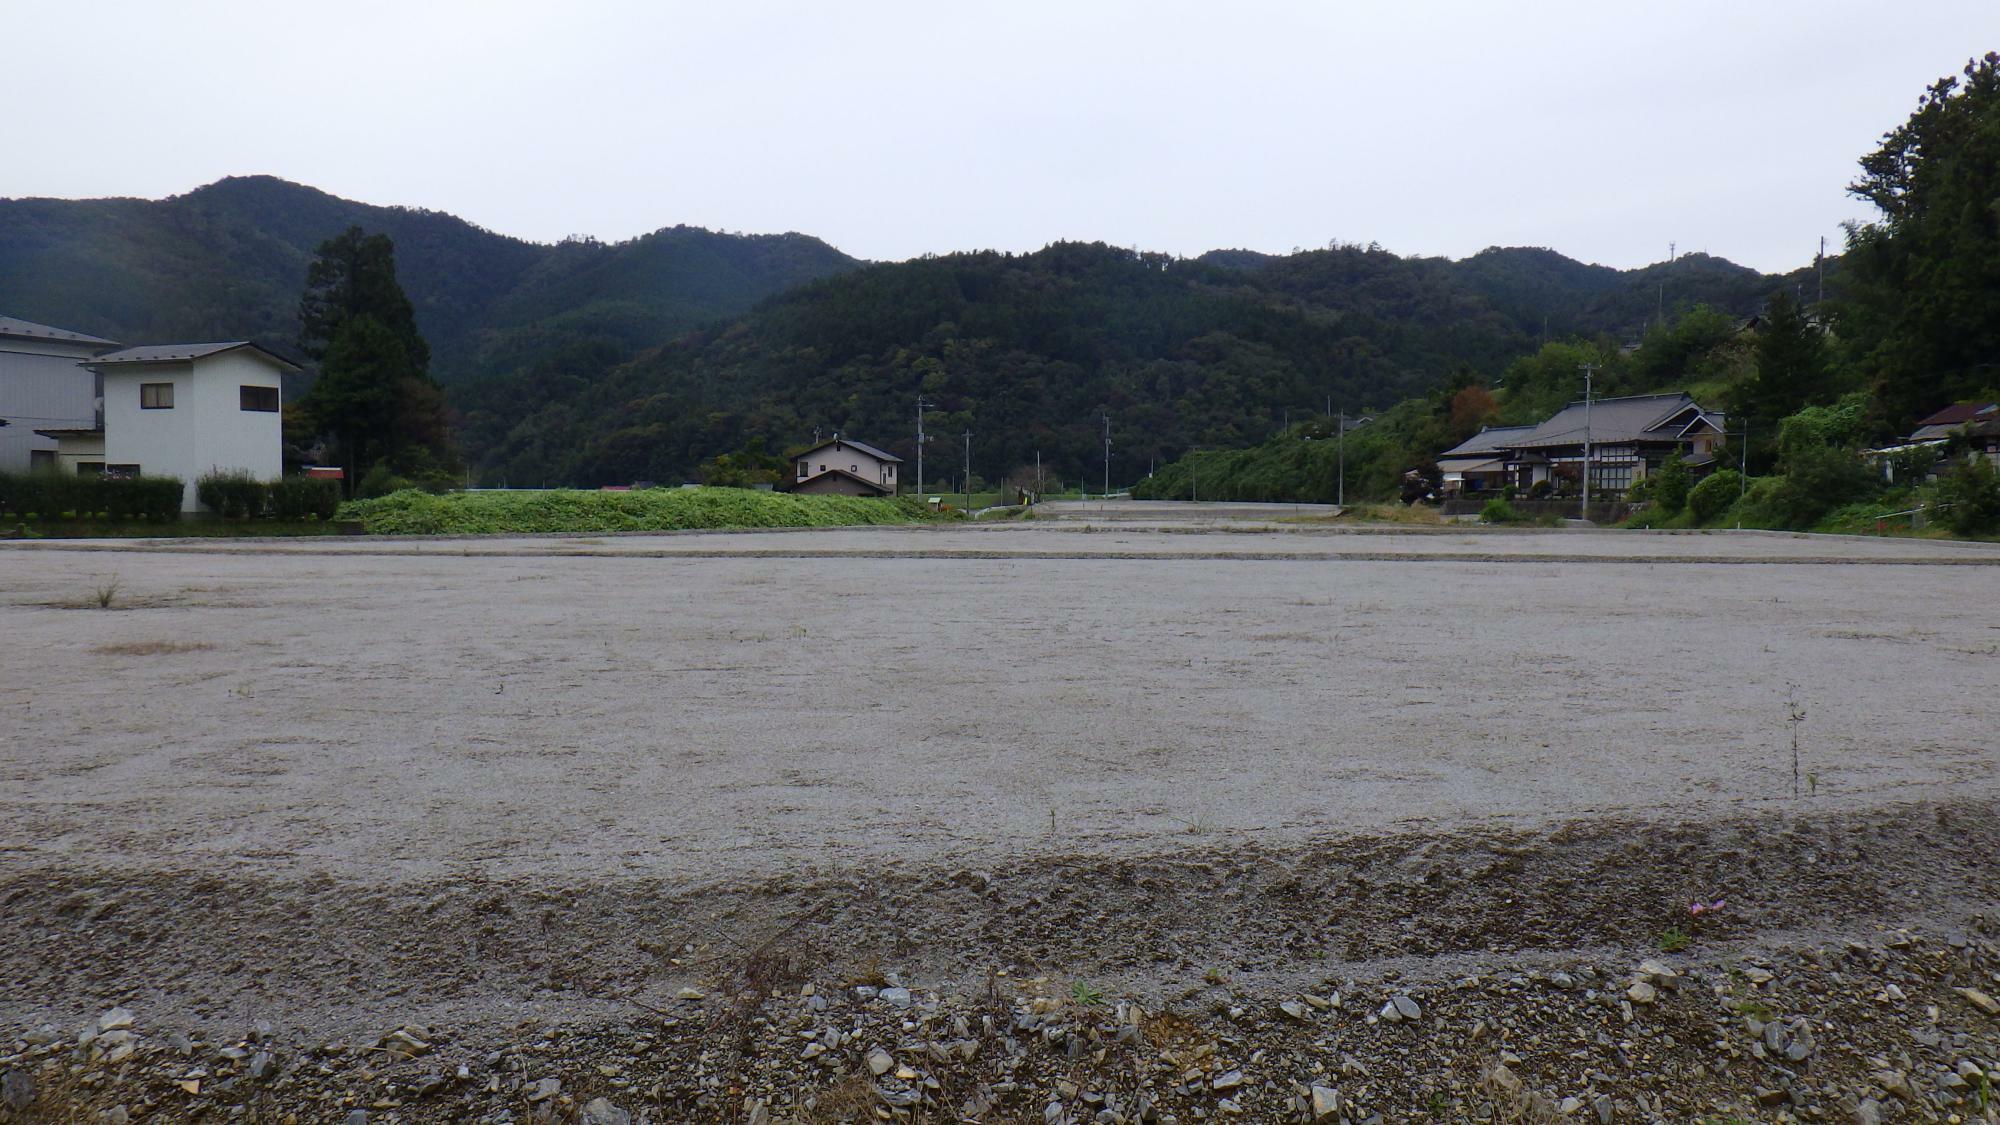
x: 654, y: 509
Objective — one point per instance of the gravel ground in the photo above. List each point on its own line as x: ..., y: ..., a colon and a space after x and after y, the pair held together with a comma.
x: 339, y: 786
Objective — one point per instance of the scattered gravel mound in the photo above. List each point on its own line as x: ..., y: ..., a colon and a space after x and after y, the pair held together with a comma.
x: 1899, y: 1028
x: 1841, y: 968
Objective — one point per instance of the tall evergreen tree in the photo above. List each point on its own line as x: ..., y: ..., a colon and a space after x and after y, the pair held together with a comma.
x: 1924, y: 281
x: 374, y: 395
x: 354, y: 275
x: 1791, y: 370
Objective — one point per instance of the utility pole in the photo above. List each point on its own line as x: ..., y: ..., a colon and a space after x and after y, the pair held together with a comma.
x: 1819, y: 266
x: 1742, y: 472
x: 1107, y: 455
x: 968, y: 470
x: 921, y: 404
x: 1587, y: 369
x: 1038, y: 476
x: 1340, y: 447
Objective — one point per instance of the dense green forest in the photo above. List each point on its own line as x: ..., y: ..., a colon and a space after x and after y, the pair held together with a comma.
x: 587, y: 363
x: 226, y: 261
x: 1029, y: 352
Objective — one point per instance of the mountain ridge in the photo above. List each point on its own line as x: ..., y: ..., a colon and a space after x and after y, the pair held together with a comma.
x: 228, y: 259
x: 588, y: 362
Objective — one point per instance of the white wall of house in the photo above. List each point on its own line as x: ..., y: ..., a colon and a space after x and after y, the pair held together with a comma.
x: 847, y: 458
x: 42, y: 387
x: 206, y: 430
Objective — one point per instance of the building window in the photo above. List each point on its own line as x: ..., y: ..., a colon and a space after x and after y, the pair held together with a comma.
x: 263, y: 399
x: 802, y: 470
x: 156, y: 396
x: 1614, y: 477
x: 41, y: 460
x: 90, y: 468
x: 122, y: 471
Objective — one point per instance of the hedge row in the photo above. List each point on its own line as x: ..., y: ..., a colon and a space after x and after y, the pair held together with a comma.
x: 52, y: 496
x: 241, y: 496
x: 653, y: 509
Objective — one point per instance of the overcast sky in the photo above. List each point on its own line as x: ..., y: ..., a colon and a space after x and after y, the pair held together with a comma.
x: 1605, y: 130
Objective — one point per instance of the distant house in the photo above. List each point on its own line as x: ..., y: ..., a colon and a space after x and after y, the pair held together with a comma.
x: 43, y: 389
x: 1628, y: 439
x: 1965, y: 416
x: 1479, y: 463
x: 845, y: 468
x: 188, y: 410
x: 1977, y: 422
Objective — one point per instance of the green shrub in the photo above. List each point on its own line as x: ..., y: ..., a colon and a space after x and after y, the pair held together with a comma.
x: 1817, y: 479
x: 155, y: 498
x: 1498, y: 511
x: 305, y: 498
x: 381, y: 481
x: 54, y: 496
x: 233, y: 495
x: 1968, y: 496
x: 1670, y: 485
x: 1714, y: 494
x: 1913, y: 466
x: 411, y: 512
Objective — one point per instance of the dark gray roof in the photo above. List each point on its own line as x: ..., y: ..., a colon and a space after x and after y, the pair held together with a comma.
x: 172, y: 353
x: 870, y: 450
x: 1615, y: 420
x: 29, y: 330
x: 1489, y: 440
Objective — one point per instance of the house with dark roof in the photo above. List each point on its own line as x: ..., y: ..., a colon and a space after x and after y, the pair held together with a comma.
x: 42, y: 388
x: 1479, y: 463
x: 1975, y: 423
x: 188, y: 410
x: 1959, y: 417
x: 1627, y: 439
x: 843, y: 467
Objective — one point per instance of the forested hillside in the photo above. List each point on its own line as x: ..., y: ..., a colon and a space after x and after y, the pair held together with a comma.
x: 1030, y: 351
x: 587, y: 363
x: 228, y: 260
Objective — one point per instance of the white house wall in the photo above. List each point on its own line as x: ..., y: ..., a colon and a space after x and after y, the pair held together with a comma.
x: 207, y: 431
x: 42, y: 387
x: 850, y: 459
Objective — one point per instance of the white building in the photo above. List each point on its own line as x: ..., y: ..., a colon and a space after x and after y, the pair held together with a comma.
x: 42, y: 387
x: 845, y: 468
x: 188, y: 410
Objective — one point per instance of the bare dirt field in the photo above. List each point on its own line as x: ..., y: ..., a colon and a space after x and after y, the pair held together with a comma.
x: 338, y: 785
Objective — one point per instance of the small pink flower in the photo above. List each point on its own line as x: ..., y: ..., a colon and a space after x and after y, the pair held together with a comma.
x: 1699, y: 908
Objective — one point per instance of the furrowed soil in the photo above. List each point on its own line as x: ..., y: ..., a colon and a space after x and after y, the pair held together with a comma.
x: 1104, y: 818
